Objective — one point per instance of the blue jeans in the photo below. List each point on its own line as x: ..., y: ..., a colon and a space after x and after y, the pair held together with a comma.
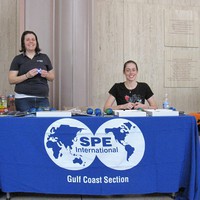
x: 25, y: 104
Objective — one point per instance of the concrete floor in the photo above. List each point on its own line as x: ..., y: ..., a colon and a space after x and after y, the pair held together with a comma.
x: 27, y: 196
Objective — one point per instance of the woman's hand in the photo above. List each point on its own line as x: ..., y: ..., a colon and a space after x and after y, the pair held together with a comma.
x: 140, y: 105
x: 49, y: 75
x: 44, y: 73
x: 32, y: 73
x: 127, y: 106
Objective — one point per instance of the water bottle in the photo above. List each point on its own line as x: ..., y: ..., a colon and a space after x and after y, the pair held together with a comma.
x: 166, y: 103
x: 3, y: 104
x: 11, y: 102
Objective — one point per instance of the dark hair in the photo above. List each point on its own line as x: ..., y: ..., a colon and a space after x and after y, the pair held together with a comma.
x: 23, y: 49
x: 130, y: 61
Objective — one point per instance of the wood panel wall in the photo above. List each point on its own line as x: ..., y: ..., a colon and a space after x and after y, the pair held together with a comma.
x: 8, y: 41
x: 131, y: 29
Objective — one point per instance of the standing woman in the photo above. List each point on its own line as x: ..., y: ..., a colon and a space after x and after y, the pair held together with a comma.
x: 30, y: 71
x: 130, y: 94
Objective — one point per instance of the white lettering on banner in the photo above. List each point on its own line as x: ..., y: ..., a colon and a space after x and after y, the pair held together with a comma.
x: 97, y: 180
x: 92, y: 179
x: 117, y: 179
x: 96, y: 150
x: 73, y: 179
x: 117, y: 143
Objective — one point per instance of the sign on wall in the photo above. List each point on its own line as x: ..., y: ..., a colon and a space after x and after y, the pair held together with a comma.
x: 181, y: 67
x: 181, y: 28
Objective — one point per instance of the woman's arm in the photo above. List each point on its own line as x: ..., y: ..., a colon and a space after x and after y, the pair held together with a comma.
x: 14, y: 79
x: 110, y: 101
x: 49, y: 75
x: 151, y: 104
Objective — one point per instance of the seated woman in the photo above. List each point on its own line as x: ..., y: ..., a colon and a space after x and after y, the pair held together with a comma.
x: 130, y: 94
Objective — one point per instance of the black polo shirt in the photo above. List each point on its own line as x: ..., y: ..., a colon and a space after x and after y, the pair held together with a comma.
x: 36, y: 86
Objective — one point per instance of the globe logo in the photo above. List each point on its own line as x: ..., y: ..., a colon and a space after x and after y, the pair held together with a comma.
x: 118, y: 143
x: 127, y: 138
x: 61, y: 140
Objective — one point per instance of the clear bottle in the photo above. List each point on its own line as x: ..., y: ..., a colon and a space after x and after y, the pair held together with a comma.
x: 11, y: 102
x: 3, y: 104
x: 166, y: 102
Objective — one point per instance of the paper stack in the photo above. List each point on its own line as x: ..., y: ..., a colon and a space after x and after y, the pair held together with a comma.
x: 61, y: 113
x: 130, y: 113
x: 161, y: 112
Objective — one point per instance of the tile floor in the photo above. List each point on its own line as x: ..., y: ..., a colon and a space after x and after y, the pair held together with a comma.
x: 27, y: 196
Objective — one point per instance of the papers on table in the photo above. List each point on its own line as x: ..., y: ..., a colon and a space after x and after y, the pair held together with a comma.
x: 146, y: 112
x: 130, y: 113
x: 55, y: 113
x: 120, y: 113
x: 161, y: 112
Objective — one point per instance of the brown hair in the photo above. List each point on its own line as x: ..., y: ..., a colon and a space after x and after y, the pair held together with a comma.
x: 23, y: 49
x: 130, y: 61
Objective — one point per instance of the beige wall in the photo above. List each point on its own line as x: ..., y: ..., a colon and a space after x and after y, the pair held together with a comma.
x: 8, y: 41
x: 63, y: 31
x: 89, y: 40
x: 131, y: 29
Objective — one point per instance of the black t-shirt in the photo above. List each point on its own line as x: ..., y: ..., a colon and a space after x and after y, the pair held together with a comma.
x: 36, y: 86
x: 123, y: 95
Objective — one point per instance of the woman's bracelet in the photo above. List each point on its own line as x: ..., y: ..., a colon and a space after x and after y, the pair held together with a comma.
x: 26, y: 76
x: 47, y: 75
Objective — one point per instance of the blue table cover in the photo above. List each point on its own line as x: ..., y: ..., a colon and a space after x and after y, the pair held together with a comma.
x: 100, y: 155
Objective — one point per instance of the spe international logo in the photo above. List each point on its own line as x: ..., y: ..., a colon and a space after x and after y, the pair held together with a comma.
x: 118, y: 143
